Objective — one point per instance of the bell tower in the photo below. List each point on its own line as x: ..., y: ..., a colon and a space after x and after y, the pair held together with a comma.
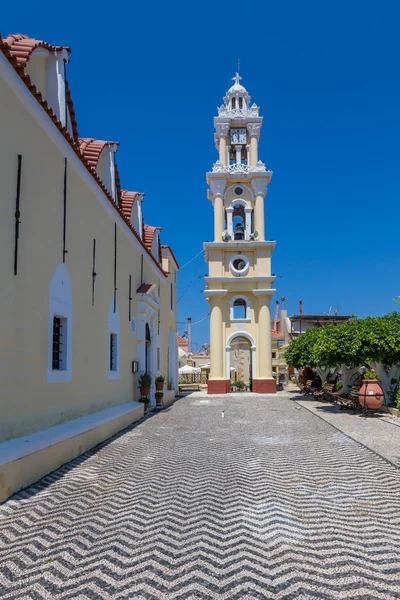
x: 239, y: 259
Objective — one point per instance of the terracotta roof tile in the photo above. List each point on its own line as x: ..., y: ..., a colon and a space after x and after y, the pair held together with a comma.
x: 92, y: 148
x: 21, y: 48
x: 277, y: 335
x: 5, y: 49
x: 145, y: 288
x: 127, y: 200
x: 148, y: 236
x: 181, y: 340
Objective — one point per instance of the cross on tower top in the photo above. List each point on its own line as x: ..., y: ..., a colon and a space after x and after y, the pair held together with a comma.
x: 236, y: 79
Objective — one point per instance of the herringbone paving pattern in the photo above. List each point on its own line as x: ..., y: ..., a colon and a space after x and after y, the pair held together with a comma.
x: 269, y: 502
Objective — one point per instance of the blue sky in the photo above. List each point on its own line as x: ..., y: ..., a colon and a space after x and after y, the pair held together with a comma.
x: 150, y: 75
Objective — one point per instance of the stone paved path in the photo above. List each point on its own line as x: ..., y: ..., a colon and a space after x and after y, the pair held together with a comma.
x: 270, y: 502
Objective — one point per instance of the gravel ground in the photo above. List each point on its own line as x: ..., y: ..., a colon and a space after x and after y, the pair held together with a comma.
x: 226, y: 497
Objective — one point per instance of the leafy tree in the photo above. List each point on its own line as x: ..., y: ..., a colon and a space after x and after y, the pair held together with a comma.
x: 379, y: 347
x: 302, y: 352
x: 373, y: 342
x: 337, y: 347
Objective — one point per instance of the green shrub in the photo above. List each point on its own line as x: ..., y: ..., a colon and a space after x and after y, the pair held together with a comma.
x: 144, y: 400
x: 240, y: 385
x: 339, y: 385
x: 370, y: 375
x: 397, y: 400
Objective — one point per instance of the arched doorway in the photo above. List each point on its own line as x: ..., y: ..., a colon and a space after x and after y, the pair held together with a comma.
x: 240, y: 360
x: 148, y: 362
x: 241, y: 355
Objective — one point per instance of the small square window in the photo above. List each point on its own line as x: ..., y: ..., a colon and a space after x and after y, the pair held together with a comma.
x: 59, y: 350
x: 113, y: 352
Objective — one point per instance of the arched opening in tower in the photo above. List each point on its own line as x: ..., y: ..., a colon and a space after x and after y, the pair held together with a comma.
x: 240, y: 360
x: 238, y: 218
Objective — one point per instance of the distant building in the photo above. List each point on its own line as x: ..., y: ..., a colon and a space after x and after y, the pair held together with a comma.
x: 285, y: 329
x: 183, y: 350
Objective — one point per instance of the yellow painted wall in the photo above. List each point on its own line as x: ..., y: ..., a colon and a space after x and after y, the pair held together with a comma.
x: 27, y: 402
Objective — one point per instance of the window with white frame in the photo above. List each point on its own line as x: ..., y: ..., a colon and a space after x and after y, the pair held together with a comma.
x: 59, y: 365
x: 133, y: 326
x: 113, y: 341
x: 113, y: 352
x: 239, y: 308
x: 59, y: 351
x: 239, y: 265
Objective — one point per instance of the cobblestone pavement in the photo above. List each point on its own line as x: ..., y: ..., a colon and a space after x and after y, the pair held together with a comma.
x: 378, y: 431
x: 267, y: 502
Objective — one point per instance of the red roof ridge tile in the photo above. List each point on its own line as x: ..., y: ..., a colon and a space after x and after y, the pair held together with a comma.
x: 21, y: 48
x: 91, y: 149
x: 127, y: 199
x: 148, y: 236
x: 276, y: 334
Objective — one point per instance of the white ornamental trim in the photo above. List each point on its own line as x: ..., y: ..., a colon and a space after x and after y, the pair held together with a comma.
x: 223, y: 111
x: 217, y: 187
x: 237, y: 272
x: 215, y: 292
x: 265, y: 292
x: 222, y: 129
x: 218, y: 167
x: 254, y: 129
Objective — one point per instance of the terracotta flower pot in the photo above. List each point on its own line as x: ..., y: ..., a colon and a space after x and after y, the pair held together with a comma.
x: 145, y: 390
x: 146, y: 408
x: 371, y: 394
x: 158, y: 401
x: 159, y: 386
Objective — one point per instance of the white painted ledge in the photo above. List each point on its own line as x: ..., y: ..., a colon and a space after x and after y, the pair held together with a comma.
x: 20, y: 447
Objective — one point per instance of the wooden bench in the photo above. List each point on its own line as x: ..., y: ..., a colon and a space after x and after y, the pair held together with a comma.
x: 307, y: 388
x: 326, y: 393
x: 351, y: 401
x: 186, y: 387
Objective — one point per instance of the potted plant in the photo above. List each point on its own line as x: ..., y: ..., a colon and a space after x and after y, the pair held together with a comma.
x: 145, y: 401
x: 370, y: 394
x: 160, y: 382
x: 145, y: 383
x: 159, y: 396
x: 238, y: 385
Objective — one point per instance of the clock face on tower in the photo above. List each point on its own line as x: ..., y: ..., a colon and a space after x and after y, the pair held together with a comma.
x: 238, y: 136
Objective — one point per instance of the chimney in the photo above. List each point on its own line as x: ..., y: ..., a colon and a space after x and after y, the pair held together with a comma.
x: 301, y: 307
x: 189, y: 326
x: 276, y: 316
